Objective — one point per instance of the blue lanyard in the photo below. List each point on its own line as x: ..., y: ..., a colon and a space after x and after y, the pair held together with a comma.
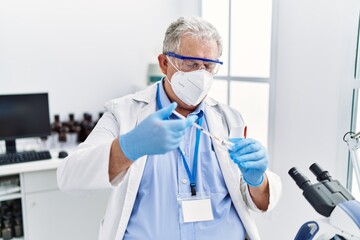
x: 192, y: 176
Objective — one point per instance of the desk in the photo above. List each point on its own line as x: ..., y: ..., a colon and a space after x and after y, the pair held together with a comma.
x: 49, y: 214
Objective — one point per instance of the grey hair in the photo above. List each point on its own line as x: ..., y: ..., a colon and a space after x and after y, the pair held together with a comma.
x: 193, y: 26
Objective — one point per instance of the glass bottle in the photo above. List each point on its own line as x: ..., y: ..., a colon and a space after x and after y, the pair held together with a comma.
x: 18, y: 228
x: 73, y: 130
x: 86, y: 127
x: 89, y: 125
x: 56, y: 126
x: 6, y: 230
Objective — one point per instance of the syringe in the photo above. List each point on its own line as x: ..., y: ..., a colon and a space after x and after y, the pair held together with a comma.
x: 224, y: 142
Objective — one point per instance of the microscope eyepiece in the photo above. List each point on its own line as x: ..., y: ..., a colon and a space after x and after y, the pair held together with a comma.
x: 323, y: 195
x: 299, y: 178
x: 320, y: 174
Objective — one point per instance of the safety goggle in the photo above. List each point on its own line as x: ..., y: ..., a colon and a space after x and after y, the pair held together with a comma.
x: 188, y: 64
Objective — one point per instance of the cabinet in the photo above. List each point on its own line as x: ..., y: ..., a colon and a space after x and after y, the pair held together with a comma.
x: 51, y: 214
x: 11, y: 220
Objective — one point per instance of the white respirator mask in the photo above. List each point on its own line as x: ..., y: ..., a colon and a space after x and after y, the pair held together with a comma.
x: 191, y: 87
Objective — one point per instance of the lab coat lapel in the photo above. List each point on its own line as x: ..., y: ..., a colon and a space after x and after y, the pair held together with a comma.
x: 230, y: 172
x: 217, y: 128
x: 148, y: 99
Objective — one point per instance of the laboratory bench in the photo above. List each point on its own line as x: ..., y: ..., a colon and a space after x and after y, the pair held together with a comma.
x: 48, y: 213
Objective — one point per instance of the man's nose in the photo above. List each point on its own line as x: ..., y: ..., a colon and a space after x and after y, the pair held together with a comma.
x: 202, y: 67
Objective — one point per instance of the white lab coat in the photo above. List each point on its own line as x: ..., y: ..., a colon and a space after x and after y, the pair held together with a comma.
x: 87, y: 168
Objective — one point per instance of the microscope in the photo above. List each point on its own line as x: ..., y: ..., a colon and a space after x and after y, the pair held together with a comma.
x: 330, y: 199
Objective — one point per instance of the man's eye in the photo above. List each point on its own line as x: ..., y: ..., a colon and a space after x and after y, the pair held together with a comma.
x: 191, y: 64
x: 209, y: 66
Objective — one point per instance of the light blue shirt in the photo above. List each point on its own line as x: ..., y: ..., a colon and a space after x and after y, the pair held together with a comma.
x: 156, y: 214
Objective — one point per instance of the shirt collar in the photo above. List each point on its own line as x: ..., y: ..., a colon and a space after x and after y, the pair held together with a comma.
x: 164, y: 100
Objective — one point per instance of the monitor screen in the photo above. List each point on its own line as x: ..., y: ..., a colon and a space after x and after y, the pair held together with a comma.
x: 24, y: 115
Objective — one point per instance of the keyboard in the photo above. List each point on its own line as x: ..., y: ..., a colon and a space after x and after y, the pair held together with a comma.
x: 21, y: 157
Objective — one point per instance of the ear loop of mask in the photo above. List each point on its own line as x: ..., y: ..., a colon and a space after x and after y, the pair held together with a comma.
x: 173, y: 66
x: 172, y: 63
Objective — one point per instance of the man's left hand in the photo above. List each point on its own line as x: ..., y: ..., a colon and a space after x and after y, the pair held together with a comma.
x: 251, y: 158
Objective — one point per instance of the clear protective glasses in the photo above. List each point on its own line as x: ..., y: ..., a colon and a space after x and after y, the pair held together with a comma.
x: 188, y: 64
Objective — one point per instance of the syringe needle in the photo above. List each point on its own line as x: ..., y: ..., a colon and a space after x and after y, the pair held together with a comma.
x: 223, y: 142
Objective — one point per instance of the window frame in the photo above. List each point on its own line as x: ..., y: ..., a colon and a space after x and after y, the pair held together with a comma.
x: 269, y: 80
x: 349, y: 97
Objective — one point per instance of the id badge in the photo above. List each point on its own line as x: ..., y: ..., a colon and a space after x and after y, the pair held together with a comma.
x: 196, y: 209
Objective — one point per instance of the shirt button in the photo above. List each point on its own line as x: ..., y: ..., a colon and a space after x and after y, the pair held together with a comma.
x: 184, y: 181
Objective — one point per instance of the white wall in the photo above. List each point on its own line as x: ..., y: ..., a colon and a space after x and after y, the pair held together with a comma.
x: 314, y: 61
x: 82, y: 53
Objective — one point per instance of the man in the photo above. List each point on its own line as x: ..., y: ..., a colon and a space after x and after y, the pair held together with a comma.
x: 168, y: 180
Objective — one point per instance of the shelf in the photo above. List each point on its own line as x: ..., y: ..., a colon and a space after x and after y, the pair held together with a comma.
x: 20, y: 238
x: 33, y: 166
x: 10, y: 197
x: 9, y: 189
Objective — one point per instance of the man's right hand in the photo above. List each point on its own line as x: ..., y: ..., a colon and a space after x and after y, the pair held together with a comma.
x: 156, y: 134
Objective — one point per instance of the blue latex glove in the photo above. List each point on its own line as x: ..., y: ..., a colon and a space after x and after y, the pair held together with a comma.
x: 251, y: 158
x: 156, y: 134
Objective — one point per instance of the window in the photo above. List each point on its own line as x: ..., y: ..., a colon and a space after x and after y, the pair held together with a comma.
x: 352, y: 182
x: 244, y: 81
x: 355, y: 127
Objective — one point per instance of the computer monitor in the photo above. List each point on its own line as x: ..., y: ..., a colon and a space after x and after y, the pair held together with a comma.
x: 23, y: 116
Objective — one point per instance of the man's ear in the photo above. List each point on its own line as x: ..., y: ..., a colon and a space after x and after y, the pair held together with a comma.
x: 163, y: 63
